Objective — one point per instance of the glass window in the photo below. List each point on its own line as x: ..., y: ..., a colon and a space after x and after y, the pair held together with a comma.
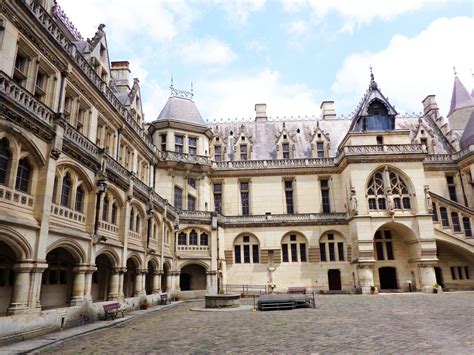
x: 182, y: 238
x: 444, y: 216
x: 105, y: 208
x: 237, y: 256
x: 193, y: 238
x: 191, y: 203
x: 65, y: 191
x: 255, y: 253
x: 455, y: 220
x: 163, y: 142
x: 5, y: 157
x: 320, y: 149
x: 179, y: 144
x: 23, y: 175
x: 467, y: 227
x: 243, y: 152
x: 289, y: 197
x: 218, y: 153
x: 284, y: 252
x: 218, y: 198
x: 322, y: 250
x: 114, y: 213
x: 192, y: 182
x: 325, y: 196
x: 244, y: 196
x: 79, y: 199
x: 286, y: 150
x: 246, y: 253
x: 204, y: 239
x: 178, y: 197
x: 248, y: 246
x: 451, y: 188
x: 192, y: 145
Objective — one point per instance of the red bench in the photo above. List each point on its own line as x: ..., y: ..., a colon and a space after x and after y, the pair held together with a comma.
x: 113, y: 309
x: 300, y: 290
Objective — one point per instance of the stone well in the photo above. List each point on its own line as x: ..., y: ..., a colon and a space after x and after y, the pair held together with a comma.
x: 222, y: 301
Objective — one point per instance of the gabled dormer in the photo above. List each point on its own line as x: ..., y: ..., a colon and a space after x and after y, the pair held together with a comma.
x: 424, y: 136
x: 243, y: 145
x: 374, y: 112
x: 218, y: 145
x: 97, y: 53
x: 135, y: 103
x: 320, y: 143
x: 285, y: 144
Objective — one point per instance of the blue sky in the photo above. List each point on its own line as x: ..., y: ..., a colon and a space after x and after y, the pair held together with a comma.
x: 289, y: 54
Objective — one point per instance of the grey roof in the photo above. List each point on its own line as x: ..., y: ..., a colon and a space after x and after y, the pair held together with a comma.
x: 460, y: 97
x: 264, y: 135
x: 181, y: 109
x: 467, y: 137
x: 123, y: 97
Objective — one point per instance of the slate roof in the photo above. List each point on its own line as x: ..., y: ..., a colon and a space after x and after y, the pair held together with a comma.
x: 467, y: 137
x: 460, y: 97
x: 181, y: 109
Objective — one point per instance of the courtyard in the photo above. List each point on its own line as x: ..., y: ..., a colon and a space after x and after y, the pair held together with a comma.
x: 387, y: 323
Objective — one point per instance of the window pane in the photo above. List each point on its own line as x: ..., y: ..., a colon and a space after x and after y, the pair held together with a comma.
x: 255, y: 255
x: 66, y: 190
x: 105, y: 208
x: 455, y: 220
x: 435, y: 213
x: 23, y: 175
x: 79, y: 199
x: 245, y: 203
x: 193, y: 238
x: 322, y: 250
x: 4, y: 160
x: 289, y: 202
x: 332, y: 255
x: 247, y: 254
x: 340, y: 251
x: 303, y: 252
x: 389, y: 250
x: 237, y: 254
x: 406, y: 203
x: 444, y: 216
x: 453, y: 273
x: 182, y: 238
x: 326, y: 205
x: 204, y: 239
x: 294, y: 252
x: 382, y: 205
x: 379, y: 248
x: 467, y: 227
x: 284, y: 250
x: 178, y: 197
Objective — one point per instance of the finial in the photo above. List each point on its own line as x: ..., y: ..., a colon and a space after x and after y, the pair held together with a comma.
x: 454, y: 69
x: 171, y: 86
x: 371, y: 73
x: 373, y: 84
x: 192, y: 91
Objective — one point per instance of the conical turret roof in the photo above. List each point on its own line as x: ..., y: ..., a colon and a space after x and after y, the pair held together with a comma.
x: 467, y: 137
x: 460, y: 97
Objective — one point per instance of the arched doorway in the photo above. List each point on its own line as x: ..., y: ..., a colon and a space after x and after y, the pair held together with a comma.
x: 439, y: 276
x: 193, y: 277
x: 455, y: 269
x: 149, y: 278
x: 334, y: 280
x: 388, y: 278
x: 101, y: 278
x: 56, y: 289
x: 164, y: 277
x: 7, y: 276
x: 129, y: 278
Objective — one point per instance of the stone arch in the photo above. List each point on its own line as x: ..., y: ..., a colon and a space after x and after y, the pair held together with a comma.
x: 249, y: 234
x: 455, y: 267
x: 331, y: 231
x: 20, y: 140
x: 70, y: 245
x: 77, y: 170
x: 165, y: 276
x: 111, y: 254
x: 297, y: 233
x: 193, y: 276
x: 135, y: 257
x: 396, y: 170
x: 294, y: 247
x: 17, y: 242
x: 333, y: 246
x: 116, y: 194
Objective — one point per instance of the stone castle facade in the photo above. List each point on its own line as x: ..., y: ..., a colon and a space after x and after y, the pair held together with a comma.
x: 98, y: 205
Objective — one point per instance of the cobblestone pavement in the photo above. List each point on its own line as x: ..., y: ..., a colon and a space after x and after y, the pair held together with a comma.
x: 408, y: 323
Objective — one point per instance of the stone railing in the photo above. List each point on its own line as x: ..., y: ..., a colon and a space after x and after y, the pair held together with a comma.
x: 453, y: 158
x: 67, y: 213
x: 444, y: 216
x: 140, y: 185
x: 204, y: 216
x: 82, y: 141
x: 17, y: 197
x: 185, y: 158
x: 134, y: 235
x: 50, y: 26
x: 25, y: 100
x: 61, y: 15
x: 193, y: 247
x: 109, y: 227
x: 273, y: 164
x: 285, y: 218
x: 116, y: 167
x: 380, y: 149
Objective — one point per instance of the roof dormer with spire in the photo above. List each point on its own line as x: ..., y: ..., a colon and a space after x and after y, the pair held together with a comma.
x: 461, y: 108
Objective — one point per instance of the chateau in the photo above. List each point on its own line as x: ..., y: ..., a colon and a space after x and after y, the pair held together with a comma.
x: 97, y: 204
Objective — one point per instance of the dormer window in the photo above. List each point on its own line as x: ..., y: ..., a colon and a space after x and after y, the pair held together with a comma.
x: 218, y: 153
x: 320, y: 149
x: 192, y: 146
x: 243, y: 152
x: 286, y: 150
x: 378, y: 118
x: 179, y: 144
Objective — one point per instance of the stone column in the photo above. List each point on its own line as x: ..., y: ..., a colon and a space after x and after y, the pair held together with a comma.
x: 211, y: 282
x: 88, y: 283
x: 366, y: 277
x: 79, y: 286
x: 427, y: 276
x: 21, y: 289
x: 36, y: 279
x: 173, y: 282
x: 114, y: 285
x: 157, y: 281
x: 121, y: 275
x: 138, y: 287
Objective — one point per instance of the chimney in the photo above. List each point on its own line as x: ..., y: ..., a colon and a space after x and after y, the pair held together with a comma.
x: 327, y: 110
x: 121, y: 74
x: 261, y: 113
x: 429, y: 104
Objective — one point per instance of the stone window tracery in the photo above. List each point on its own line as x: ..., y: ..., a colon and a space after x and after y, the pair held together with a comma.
x: 293, y: 248
x: 387, y: 190
x: 246, y: 250
x: 331, y: 247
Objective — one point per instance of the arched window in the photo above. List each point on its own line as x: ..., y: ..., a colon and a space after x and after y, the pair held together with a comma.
x: 204, y: 239
x: 386, y: 184
x: 138, y: 223
x: 331, y: 247
x: 246, y: 250
x: 132, y: 219
x: 182, y: 238
x: 65, y: 191
x: 105, y: 208
x: 5, y: 157
x: 467, y: 227
x: 23, y: 175
x: 113, y: 218
x: 456, y: 223
x: 193, y: 238
x: 293, y: 249
x: 79, y: 199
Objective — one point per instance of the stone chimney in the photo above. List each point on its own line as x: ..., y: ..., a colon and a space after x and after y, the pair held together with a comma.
x: 261, y: 113
x: 327, y: 110
x: 121, y: 74
x: 429, y: 105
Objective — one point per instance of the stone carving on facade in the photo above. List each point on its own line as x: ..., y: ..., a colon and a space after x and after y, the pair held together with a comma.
x: 353, y: 202
x: 429, y: 203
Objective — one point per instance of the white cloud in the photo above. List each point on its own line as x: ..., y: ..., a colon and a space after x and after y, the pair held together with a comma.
x: 209, y: 51
x: 409, y: 69
x: 240, y: 10
x: 236, y: 96
x: 360, y: 12
x: 298, y: 28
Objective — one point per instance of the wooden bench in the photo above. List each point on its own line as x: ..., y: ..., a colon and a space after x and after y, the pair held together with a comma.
x: 300, y: 290
x: 113, y: 309
x: 164, y: 299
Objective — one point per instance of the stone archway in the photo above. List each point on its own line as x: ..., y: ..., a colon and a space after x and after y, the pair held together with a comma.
x: 130, y: 278
x: 192, y: 278
x: 58, y: 278
x: 165, y: 277
x: 102, y: 278
x: 455, y: 268
x: 150, y: 277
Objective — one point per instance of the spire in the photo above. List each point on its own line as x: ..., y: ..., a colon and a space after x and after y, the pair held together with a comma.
x: 472, y: 82
x: 460, y: 97
x: 373, y: 83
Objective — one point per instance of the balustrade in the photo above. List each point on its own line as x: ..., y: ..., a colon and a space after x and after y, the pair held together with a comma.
x: 452, y: 216
x: 81, y: 140
x: 66, y: 213
x: 18, y: 198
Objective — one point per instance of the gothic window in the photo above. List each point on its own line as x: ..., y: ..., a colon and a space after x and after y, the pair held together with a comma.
x: 435, y: 213
x: 467, y: 227
x: 5, y: 157
x: 178, y: 197
x: 105, y: 209
x: 204, y: 239
x: 384, y: 245
x: 384, y: 183
x: 132, y: 218
x: 244, y: 196
x: 456, y: 223
x: 138, y: 223
x: 246, y: 250
x: 65, y: 191
x: 182, y: 238
x: 331, y: 248
x: 218, y: 198
x: 193, y: 238
x: 378, y: 118
x: 23, y: 175
x: 289, y: 196
x: 293, y: 249
x: 444, y: 216
x: 79, y: 199
x: 113, y: 218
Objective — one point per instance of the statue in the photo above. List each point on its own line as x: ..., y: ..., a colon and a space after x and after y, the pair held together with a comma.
x: 390, y: 203
x: 429, y: 203
x: 353, y: 202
